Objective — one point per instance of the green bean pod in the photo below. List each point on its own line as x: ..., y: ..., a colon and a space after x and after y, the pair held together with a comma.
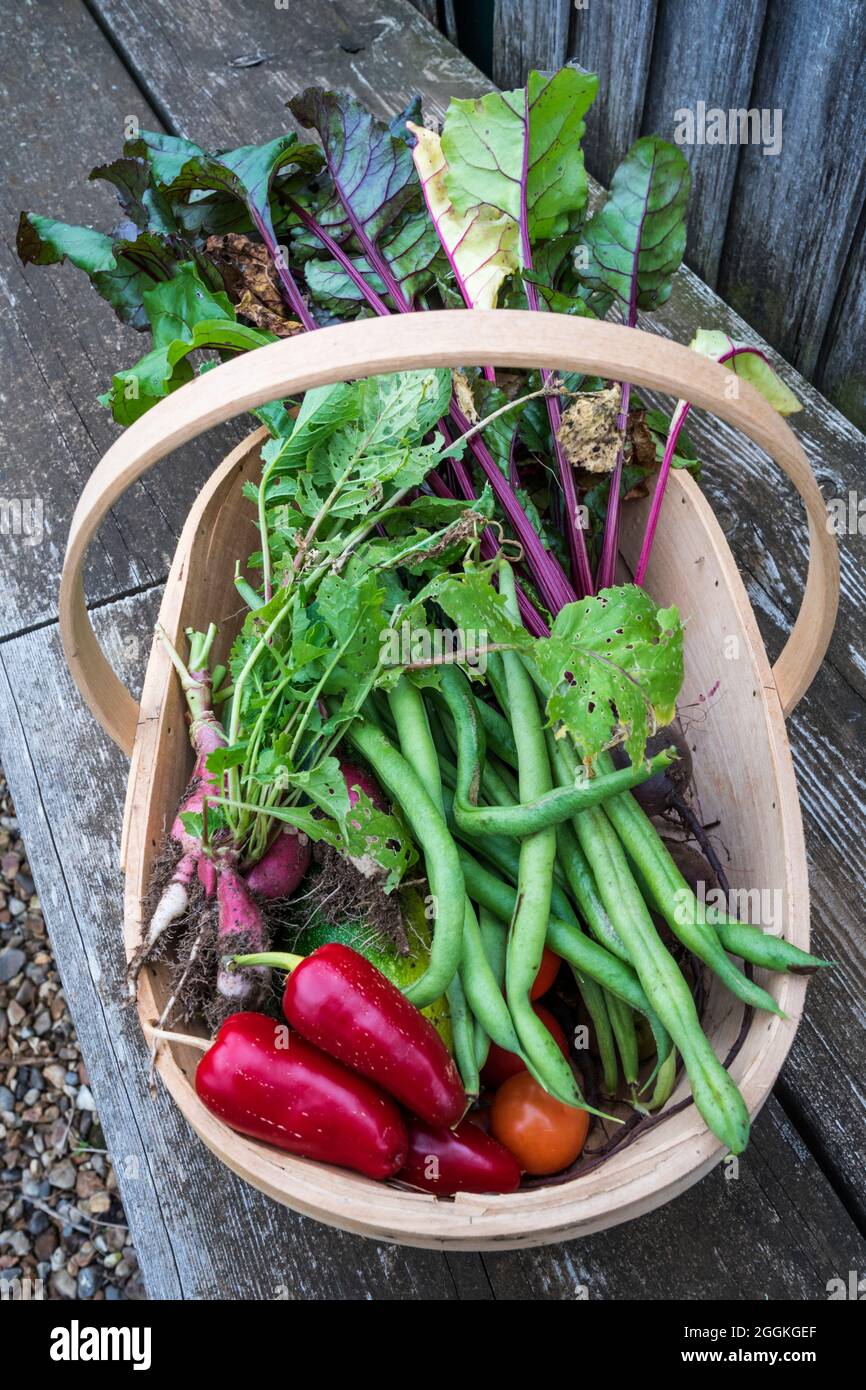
x: 772, y: 952
x: 568, y: 941
x: 441, y: 858
x: 677, y: 902
x: 483, y: 991
x: 497, y: 730
x: 622, y: 1023
x: 598, y: 1005
x: 742, y: 938
x: 715, y: 1094
x: 463, y: 1033
x: 579, y: 877
x: 665, y: 1082
x: 409, y: 713
x: 528, y: 928
x: 532, y: 815
x: 494, y: 941
x: 482, y: 1046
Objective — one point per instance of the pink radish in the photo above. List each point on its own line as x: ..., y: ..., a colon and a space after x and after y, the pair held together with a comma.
x: 282, y: 866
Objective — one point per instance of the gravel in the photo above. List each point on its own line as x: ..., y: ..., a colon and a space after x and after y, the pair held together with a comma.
x: 61, y: 1219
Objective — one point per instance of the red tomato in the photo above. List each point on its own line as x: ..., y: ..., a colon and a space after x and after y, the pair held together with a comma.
x: 547, y: 973
x: 501, y: 1064
x: 543, y: 1134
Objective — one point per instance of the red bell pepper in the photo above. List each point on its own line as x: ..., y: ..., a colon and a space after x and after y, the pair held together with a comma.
x: 273, y: 1085
x: 338, y: 1000
x: 464, y: 1159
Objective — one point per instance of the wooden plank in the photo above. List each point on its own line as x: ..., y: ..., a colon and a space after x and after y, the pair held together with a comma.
x: 616, y: 42
x: 528, y: 34
x: 441, y: 14
x: 199, y: 1231
x: 793, y: 216
x: 182, y: 59
x: 761, y: 515
x: 841, y: 371
x: 429, y: 9
x: 60, y: 341
x: 775, y: 1231
x: 685, y: 69
x: 691, y: 305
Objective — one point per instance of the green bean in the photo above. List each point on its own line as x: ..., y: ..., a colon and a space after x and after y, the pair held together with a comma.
x: 598, y: 1006
x: 481, y: 988
x: 498, y: 783
x: 482, y: 1046
x: 413, y: 731
x: 528, y: 929
x: 715, y: 1094
x: 677, y: 902
x: 622, y: 1023
x: 441, y: 858
x: 582, y: 884
x: 496, y: 680
x: 772, y: 952
x: 593, y: 997
x: 463, y: 1033
x: 493, y: 939
x: 665, y: 1082
x: 533, y: 814
x: 743, y: 939
x: 568, y: 941
x: 498, y: 731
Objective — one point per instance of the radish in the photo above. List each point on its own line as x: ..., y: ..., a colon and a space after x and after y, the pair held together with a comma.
x: 282, y: 866
x: 219, y: 907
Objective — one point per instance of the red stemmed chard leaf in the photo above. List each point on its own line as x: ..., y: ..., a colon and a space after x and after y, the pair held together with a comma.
x: 635, y: 243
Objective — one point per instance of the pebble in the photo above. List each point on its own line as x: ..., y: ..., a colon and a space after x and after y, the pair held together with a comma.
x: 48, y: 1116
x: 89, y: 1280
x: 45, y: 1244
x: 20, y: 1242
x: 12, y: 962
x: 63, y: 1284
x: 62, y: 1175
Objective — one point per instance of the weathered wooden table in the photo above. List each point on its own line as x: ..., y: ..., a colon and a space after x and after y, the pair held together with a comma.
x: 71, y: 74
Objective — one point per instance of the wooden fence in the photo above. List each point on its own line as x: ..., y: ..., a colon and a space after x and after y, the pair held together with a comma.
x: 782, y: 237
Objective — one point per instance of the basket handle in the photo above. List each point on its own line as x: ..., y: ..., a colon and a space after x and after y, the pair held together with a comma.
x: 368, y: 347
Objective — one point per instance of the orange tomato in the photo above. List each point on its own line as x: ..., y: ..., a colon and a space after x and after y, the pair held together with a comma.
x: 501, y: 1064
x: 547, y: 973
x: 543, y: 1134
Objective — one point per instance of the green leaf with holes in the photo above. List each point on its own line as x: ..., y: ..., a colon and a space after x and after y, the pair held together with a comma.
x: 612, y: 668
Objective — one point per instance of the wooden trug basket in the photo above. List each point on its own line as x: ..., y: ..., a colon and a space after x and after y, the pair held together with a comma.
x: 742, y: 759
